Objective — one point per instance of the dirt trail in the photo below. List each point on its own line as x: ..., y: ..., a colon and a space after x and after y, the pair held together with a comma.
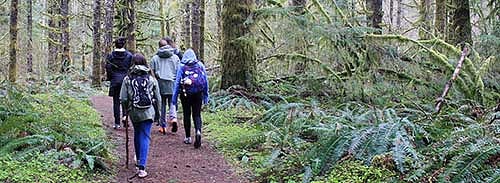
x: 170, y: 160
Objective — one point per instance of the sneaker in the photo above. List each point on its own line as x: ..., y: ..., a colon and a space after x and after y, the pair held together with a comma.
x: 116, y: 126
x: 187, y: 140
x: 142, y: 173
x: 197, y: 141
x: 162, y: 130
x: 174, y: 125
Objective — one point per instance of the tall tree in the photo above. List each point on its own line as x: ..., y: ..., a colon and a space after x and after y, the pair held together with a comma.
x: 239, y: 55
x: 399, y: 15
x: 202, y: 30
x: 299, y: 41
x: 29, y: 57
x: 186, y: 30
x: 108, y: 28
x: 132, y: 26
x: 425, y: 19
x: 195, y: 27
x: 96, y: 60
x: 13, y: 41
x: 162, y: 17
x: 460, y: 28
x: 65, y: 39
x: 375, y: 13
x: 440, y: 19
x: 53, y: 34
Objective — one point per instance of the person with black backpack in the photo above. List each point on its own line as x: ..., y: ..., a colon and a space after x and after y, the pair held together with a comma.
x: 117, y: 64
x: 191, y: 83
x: 139, y: 92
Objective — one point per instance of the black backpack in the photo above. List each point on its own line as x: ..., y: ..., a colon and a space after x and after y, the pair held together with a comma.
x: 142, y: 97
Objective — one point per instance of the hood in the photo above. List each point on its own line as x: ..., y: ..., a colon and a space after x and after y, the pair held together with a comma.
x: 140, y: 69
x: 189, y: 57
x: 119, y: 53
x: 165, y: 52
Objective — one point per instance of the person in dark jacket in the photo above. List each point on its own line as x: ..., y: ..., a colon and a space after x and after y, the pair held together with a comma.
x: 117, y: 64
x: 173, y: 46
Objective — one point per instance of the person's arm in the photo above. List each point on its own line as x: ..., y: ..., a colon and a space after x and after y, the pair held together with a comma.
x: 205, y: 91
x: 177, y: 85
x: 124, y: 96
x: 156, y: 91
x: 155, y: 67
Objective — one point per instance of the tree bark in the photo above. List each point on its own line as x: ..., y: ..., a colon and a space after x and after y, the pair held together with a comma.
x: 96, y: 60
x: 375, y: 14
x: 461, y: 28
x: 186, y: 35
x: 53, y: 37
x: 239, y: 57
x: 108, y: 34
x: 162, y: 17
x: 440, y: 19
x: 131, y: 42
x: 65, y: 39
x: 425, y: 19
x: 195, y: 27
x: 399, y: 15
x: 202, y: 30
x: 29, y: 57
x: 13, y: 41
x: 448, y: 85
x: 300, y: 42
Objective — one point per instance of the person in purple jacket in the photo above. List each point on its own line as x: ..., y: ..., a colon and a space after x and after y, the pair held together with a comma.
x: 118, y: 63
x: 191, y: 83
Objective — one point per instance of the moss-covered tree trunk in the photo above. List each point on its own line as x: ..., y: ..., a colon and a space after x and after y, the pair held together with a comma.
x: 375, y: 14
x: 53, y: 35
x: 202, y: 30
x: 161, y: 10
x: 65, y: 38
x: 460, y: 28
x: 424, y: 31
x: 440, y: 19
x: 299, y: 41
x: 132, y: 26
x: 239, y: 57
x: 13, y: 41
x: 108, y: 31
x: 186, y: 29
x: 29, y: 57
x: 96, y: 59
x: 195, y: 27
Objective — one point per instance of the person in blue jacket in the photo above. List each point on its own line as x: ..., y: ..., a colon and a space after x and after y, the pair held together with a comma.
x: 117, y: 64
x: 191, y: 83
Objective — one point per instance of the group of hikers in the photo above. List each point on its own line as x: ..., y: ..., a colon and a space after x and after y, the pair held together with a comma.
x: 143, y: 91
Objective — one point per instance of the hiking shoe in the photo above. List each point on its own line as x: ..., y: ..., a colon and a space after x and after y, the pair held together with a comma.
x: 187, y: 140
x: 174, y: 125
x: 116, y: 126
x: 162, y: 130
x: 197, y: 141
x: 142, y: 173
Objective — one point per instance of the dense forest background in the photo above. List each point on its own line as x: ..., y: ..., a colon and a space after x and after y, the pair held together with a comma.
x: 303, y: 90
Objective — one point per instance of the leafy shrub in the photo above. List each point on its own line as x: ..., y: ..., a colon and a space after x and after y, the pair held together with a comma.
x: 357, y: 172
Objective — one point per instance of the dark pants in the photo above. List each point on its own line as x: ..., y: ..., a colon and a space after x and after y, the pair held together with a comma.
x: 115, y: 93
x: 191, y: 106
x: 165, y: 101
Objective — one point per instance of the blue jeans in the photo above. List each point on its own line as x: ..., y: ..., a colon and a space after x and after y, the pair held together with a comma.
x: 142, y: 137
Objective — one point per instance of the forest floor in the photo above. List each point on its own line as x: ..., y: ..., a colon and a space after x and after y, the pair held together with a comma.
x: 169, y: 159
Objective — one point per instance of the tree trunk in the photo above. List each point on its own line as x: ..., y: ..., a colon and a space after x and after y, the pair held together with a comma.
x: 13, y: 41
x: 53, y: 37
x: 375, y: 14
x: 239, y: 57
x: 96, y: 60
x: 300, y: 42
x: 399, y: 15
x: 186, y: 35
x: 65, y: 39
x: 162, y: 17
x: 195, y: 27
x: 440, y: 19
x: 460, y: 30
x: 29, y: 57
x: 202, y: 30
x: 131, y: 42
x: 218, y: 9
x: 425, y: 19
x: 108, y: 34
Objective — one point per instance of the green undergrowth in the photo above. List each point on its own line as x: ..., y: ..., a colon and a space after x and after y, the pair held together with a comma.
x: 356, y: 172
x: 50, y: 137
